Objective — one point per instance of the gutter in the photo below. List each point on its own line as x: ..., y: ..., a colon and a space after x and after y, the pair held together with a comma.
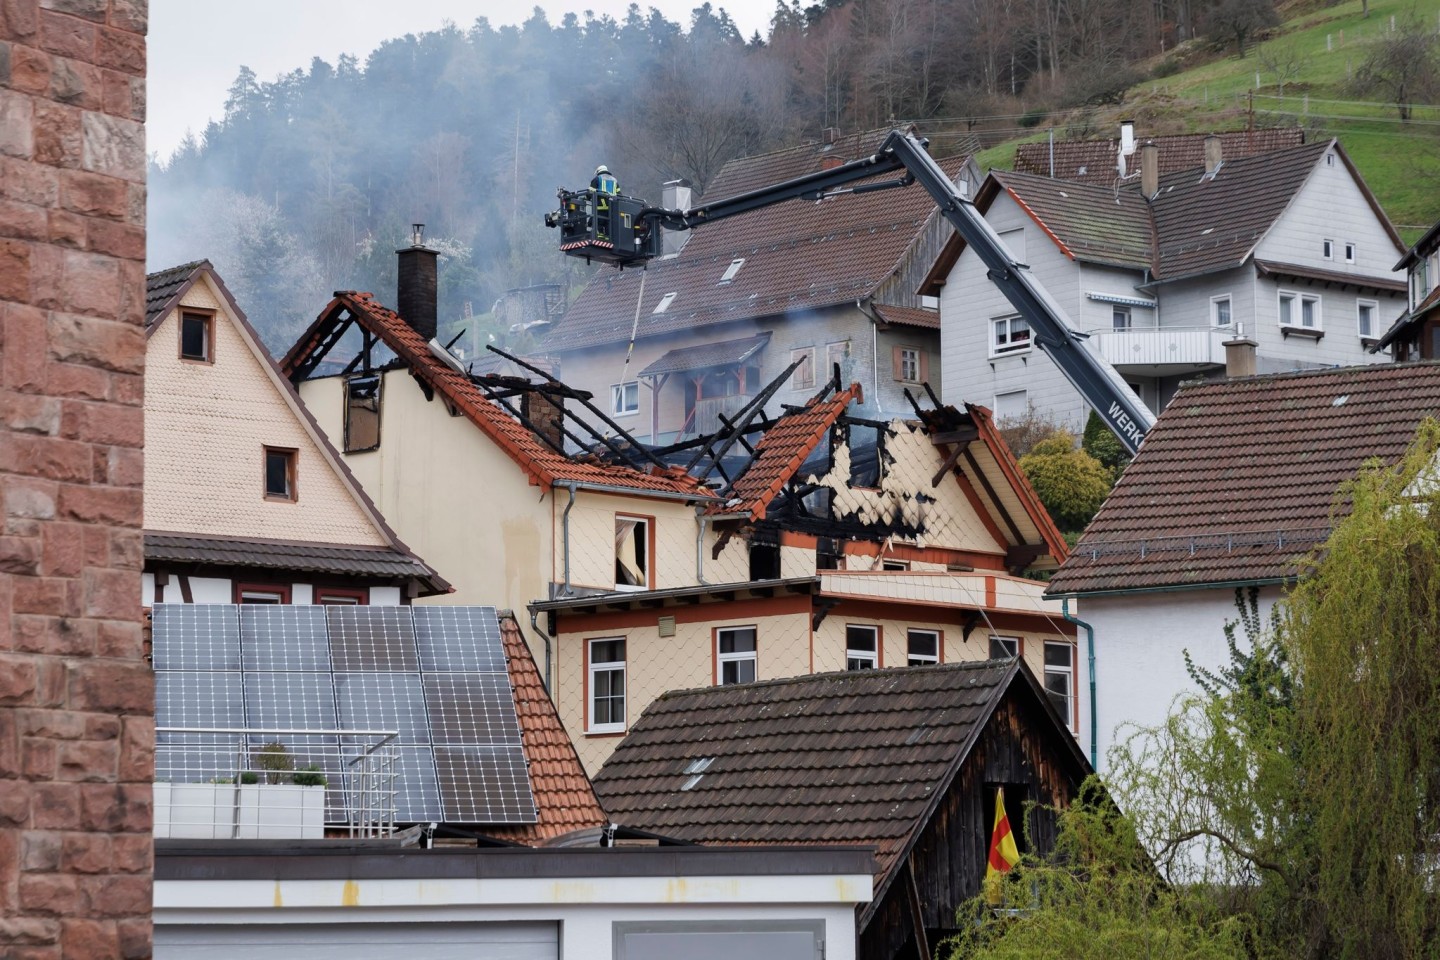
x: 1173, y: 588
x: 1090, y: 645
x: 573, y: 485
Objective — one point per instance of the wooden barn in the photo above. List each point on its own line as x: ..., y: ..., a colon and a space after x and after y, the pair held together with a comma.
x: 907, y: 761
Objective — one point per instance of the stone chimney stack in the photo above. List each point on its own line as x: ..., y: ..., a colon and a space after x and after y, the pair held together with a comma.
x: 675, y: 195
x: 1239, y: 355
x: 415, y: 288
x: 1149, y: 170
x: 1213, y: 155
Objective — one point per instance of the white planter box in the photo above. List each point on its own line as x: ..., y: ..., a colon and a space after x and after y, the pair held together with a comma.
x: 249, y: 811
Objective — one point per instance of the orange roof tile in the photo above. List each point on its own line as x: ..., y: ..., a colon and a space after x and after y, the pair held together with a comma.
x: 544, y: 465
x: 564, y: 799
x: 781, y: 452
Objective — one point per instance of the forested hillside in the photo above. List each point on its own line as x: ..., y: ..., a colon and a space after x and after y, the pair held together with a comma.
x: 312, y: 179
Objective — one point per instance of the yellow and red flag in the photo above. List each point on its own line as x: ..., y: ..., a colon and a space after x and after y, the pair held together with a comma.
x: 1004, y: 855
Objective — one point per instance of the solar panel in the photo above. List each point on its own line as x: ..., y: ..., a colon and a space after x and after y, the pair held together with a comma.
x: 475, y: 708
x: 465, y: 639
x: 437, y: 675
x: 372, y: 638
x: 484, y: 784
x: 196, y: 636
x: 383, y: 701
x: 275, y: 637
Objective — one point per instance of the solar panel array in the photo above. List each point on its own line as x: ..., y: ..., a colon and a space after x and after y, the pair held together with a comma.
x: 435, y: 674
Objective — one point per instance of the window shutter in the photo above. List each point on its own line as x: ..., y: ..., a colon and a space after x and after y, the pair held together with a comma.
x: 924, y: 366
x: 895, y: 371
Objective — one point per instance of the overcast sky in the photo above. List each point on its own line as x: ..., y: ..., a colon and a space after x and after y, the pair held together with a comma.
x: 197, y: 46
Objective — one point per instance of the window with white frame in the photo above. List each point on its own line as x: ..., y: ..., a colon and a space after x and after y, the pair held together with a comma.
x: 735, y: 654
x: 732, y: 270
x: 665, y: 302
x: 910, y: 364
x: 1060, y: 679
x: 632, y: 553
x: 1299, y: 310
x: 1002, y: 648
x: 1009, y: 335
x: 1220, y: 311
x: 1327, y: 249
x: 1350, y: 252
x: 862, y: 647
x: 607, y: 685
x: 625, y: 398
x: 1119, y: 317
x: 1420, y: 279
x: 922, y: 647
x: 1365, y: 317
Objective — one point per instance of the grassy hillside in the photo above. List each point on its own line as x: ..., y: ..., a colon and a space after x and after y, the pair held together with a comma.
x: 1304, y: 69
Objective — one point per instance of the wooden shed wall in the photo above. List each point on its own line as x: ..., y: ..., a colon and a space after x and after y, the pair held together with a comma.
x: 1019, y: 745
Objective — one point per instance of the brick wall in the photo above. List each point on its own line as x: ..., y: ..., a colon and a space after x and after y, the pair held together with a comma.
x: 76, y: 697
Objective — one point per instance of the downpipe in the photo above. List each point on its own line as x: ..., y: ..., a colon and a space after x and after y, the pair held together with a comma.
x: 536, y: 631
x: 700, y: 546
x: 1090, y: 645
x: 565, y: 534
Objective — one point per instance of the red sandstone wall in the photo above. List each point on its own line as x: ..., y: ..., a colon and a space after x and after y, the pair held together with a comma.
x: 76, y: 697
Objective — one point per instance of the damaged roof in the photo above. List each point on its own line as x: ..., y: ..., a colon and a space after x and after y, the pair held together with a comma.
x: 797, y: 255
x: 544, y: 465
x: 564, y: 799
x: 1236, y: 482
x: 1095, y: 161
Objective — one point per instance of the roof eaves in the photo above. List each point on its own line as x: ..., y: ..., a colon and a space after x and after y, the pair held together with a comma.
x: 1039, y: 222
x: 1000, y: 450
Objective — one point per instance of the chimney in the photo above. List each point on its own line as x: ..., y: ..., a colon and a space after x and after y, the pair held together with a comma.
x: 416, y: 285
x: 547, y: 416
x: 1239, y: 355
x: 1213, y: 155
x: 1150, y: 170
x: 675, y: 195
x: 830, y: 135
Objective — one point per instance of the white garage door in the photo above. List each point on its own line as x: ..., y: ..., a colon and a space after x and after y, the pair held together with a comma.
x: 360, y: 941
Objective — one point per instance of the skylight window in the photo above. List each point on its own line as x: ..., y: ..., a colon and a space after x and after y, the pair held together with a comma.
x: 733, y: 269
x: 665, y: 302
x: 696, y: 768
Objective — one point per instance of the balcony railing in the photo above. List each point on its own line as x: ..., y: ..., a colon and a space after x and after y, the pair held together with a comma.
x: 253, y: 783
x: 1161, y: 346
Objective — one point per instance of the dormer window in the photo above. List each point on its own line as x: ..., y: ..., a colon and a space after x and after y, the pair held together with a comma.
x: 197, y: 337
x: 665, y: 302
x: 733, y: 269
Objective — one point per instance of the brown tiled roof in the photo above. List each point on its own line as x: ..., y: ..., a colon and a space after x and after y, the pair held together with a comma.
x: 339, y: 559
x: 707, y: 355
x: 855, y: 757
x: 781, y: 452
x: 1204, y: 223
x: 165, y: 287
x: 1093, y: 161
x: 543, y: 464
x: 1237, y: 480
x: 798, y: 256
x: 1270, y: 268
x: 908, y: 316
x: 1091, y: 223
x: 1407, y: 319
x: 564, y: 799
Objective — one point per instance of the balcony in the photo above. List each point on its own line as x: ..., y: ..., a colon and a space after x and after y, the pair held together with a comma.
x: 1161, y: 351
x: 219, y: 783
x: 705, y: 418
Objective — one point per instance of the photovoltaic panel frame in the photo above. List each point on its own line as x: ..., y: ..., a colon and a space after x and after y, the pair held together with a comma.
x: 196, y: 636
x: 464, y: 639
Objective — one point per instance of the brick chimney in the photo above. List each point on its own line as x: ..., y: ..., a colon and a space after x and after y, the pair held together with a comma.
x: 1239, y: 355
x: 675, y: 195
x: 1150, y: 170
x: 1213, y: 155
x: 416, y: 286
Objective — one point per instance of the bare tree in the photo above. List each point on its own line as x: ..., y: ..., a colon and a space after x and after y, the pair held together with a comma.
x: 1403, y: 64
x: 1239, y: 20
x: 1283, y: 60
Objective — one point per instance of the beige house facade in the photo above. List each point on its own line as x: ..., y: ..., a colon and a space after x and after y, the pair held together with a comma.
x: 245, y: 500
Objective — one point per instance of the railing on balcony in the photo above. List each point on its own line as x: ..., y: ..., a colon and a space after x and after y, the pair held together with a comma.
x: 706, y: 416
x: 1161, y: 346
x: 255, y: 783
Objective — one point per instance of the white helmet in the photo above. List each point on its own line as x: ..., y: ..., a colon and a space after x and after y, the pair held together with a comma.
x: 601, y: 169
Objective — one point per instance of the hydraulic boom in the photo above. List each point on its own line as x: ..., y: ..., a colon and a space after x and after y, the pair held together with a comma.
x: 634, y: 239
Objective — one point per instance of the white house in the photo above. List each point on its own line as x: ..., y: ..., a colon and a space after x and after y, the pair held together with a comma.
x: 1289, y: 249
x: 1232, y: 488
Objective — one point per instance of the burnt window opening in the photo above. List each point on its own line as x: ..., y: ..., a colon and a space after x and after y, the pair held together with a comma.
x: 764, y: 561
x: 632, y: 553
x: 197, y: 333
x: 362, y: 413
x: 827, y: 554
x: 867, y: 455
